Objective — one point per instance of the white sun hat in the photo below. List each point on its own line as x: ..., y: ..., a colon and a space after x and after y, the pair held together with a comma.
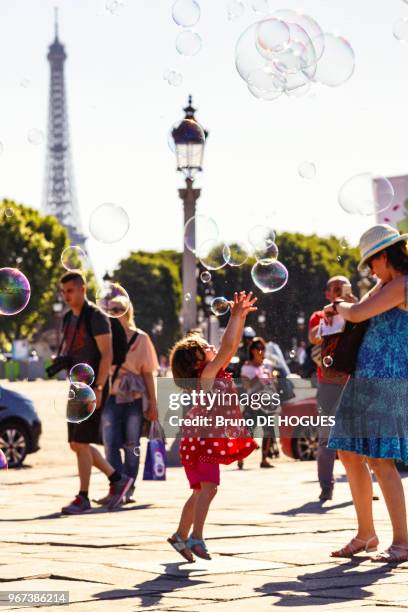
x: 376, y: 239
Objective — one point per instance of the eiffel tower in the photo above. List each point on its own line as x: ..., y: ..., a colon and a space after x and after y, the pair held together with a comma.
x: 59, y: 190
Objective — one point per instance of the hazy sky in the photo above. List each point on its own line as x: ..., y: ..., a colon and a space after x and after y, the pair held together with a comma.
x: 121, y: 108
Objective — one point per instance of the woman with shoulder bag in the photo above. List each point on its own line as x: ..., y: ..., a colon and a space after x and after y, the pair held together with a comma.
x: 371, y: 429
x: 132, y: 398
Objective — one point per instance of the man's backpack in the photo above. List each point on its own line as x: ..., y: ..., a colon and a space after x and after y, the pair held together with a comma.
x: 119, y: 339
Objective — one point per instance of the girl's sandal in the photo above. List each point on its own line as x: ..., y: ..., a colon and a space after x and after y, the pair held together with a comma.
x: 198, y: 547
x: 352, y: 548
x: 394, y: 554
x: 180, y: 545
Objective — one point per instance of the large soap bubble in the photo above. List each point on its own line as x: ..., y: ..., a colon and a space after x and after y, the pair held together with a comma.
x: 260, y: 236
x: 186, y: 13
x: 109, y: 223
x: 15, y: 291
x: 83, y: 373
x: 199, y: 229
x: 112, y: 299
x: 220, y: 306
x: 269, y: 275
x: 213, y: 255
x: 400, y: 30
x: 81, y: 403
x: 73, y: 258
x: 272, y: 36
x: 337, y: 63
x: 308, y: 25
x: 188, y: 43
x: 235, y: 254
x: 365, y: 194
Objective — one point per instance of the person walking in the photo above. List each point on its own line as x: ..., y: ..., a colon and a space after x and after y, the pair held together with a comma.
x: 87, y: 339
x: 132, y: 397
x: 256, y: 373
x: 328, y: 389
x: 371, y: 429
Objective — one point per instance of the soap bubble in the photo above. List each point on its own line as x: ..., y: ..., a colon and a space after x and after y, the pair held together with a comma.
x: 188, y: 43
x: 269, y: 275
x: 298, y: 55
x: 235, y: 254
x: 344, y: 244
x: 327, y: 361
x: 175, y: 79
x: 35, y: 136
x: 270, y: 251
x: 220, y: 306
x: 187, y: 297
x: 365, y: 195
x: 261, y: 6
x: 266, y: 84
x: 83, y: 373
x: 82, y: 405
x: 273, y: 36
x: 199, y: 229
x: 235, y: 10
x: 136, y: 451
x: 205, y: 276
x: 400, y: 30
x: 8, y: 212
x: 307, y: 24
x: 3, y: 461
x: 261, y: 236
x: 337, y: 63
x: 109, y: 223
x: 114, y: 7
x: 186, y: 13
x: 112, y: 299
x: 15, y: 291
x: 307, y: 170
x: 73, y: 258
x: 212, y: 254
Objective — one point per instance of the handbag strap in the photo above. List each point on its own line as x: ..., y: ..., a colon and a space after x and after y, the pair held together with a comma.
x: 129, y: 344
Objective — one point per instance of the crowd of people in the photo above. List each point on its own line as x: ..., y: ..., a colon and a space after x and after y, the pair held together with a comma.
x: 371, y: 424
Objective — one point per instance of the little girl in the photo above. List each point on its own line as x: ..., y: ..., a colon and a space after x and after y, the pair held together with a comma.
x: 193, y: 359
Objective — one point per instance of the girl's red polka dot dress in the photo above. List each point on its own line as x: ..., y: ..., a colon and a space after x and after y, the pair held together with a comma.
x: 209, y: 446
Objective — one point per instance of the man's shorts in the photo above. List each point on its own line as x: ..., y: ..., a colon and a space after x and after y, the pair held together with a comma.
x: 202, y: 472
x: 87, y: 432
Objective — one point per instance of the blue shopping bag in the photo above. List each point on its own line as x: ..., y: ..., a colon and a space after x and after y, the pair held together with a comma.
x: 155, y: 464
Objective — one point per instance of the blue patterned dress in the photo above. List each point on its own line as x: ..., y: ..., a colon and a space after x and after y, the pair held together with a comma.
x: 372, y: 416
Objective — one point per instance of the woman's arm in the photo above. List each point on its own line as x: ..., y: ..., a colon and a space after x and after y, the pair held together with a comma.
x: 390, y: 296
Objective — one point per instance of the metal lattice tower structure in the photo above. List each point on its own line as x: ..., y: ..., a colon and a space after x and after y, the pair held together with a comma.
x: 59, y: 191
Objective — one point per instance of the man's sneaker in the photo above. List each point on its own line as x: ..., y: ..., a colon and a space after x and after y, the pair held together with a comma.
x: 118, y: 490
x: 104, y: 501
x: 80, y: 505
x: 128, y: 498
x: 326, y: 495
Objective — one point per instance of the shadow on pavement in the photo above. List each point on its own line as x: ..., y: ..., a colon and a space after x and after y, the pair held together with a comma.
x: 331, y: 580
x: 151, y: 591
x: 56, y: 515
x: 312, y: 508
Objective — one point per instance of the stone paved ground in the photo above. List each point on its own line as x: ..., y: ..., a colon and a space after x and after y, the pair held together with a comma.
x: 269, y: 538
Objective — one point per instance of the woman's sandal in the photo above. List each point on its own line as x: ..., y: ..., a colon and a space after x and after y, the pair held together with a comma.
x: 180, y: 545
x: 394, y: 554
x: 198, y: 547
x: 352, y: 549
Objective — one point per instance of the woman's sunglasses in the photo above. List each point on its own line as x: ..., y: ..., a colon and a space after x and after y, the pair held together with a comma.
x: 116, y: 310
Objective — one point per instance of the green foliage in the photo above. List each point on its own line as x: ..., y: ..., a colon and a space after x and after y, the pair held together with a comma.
x: 153, y: 283
x: 32, y: 243
x: 311, y: 261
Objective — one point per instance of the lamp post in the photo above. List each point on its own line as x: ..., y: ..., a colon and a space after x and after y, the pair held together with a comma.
x: 189, y: 139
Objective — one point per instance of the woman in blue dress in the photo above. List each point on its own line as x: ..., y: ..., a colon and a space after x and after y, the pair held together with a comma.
x: 371, y: 429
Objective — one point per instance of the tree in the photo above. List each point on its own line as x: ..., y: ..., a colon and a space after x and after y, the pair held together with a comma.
x: 33, y: 243
x: 311, y: 261
x: 153, y: 283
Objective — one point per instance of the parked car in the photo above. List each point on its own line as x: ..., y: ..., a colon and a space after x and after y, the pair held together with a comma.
x: 20, y: 426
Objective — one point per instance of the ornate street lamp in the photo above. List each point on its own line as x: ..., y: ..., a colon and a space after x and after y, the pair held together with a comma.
x: 189, y: 139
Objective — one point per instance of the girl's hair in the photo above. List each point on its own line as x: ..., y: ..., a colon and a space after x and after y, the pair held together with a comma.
x: 185, y: 357
x: 397, y: 255
x: 129, y: 315
x: 255, y: 342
